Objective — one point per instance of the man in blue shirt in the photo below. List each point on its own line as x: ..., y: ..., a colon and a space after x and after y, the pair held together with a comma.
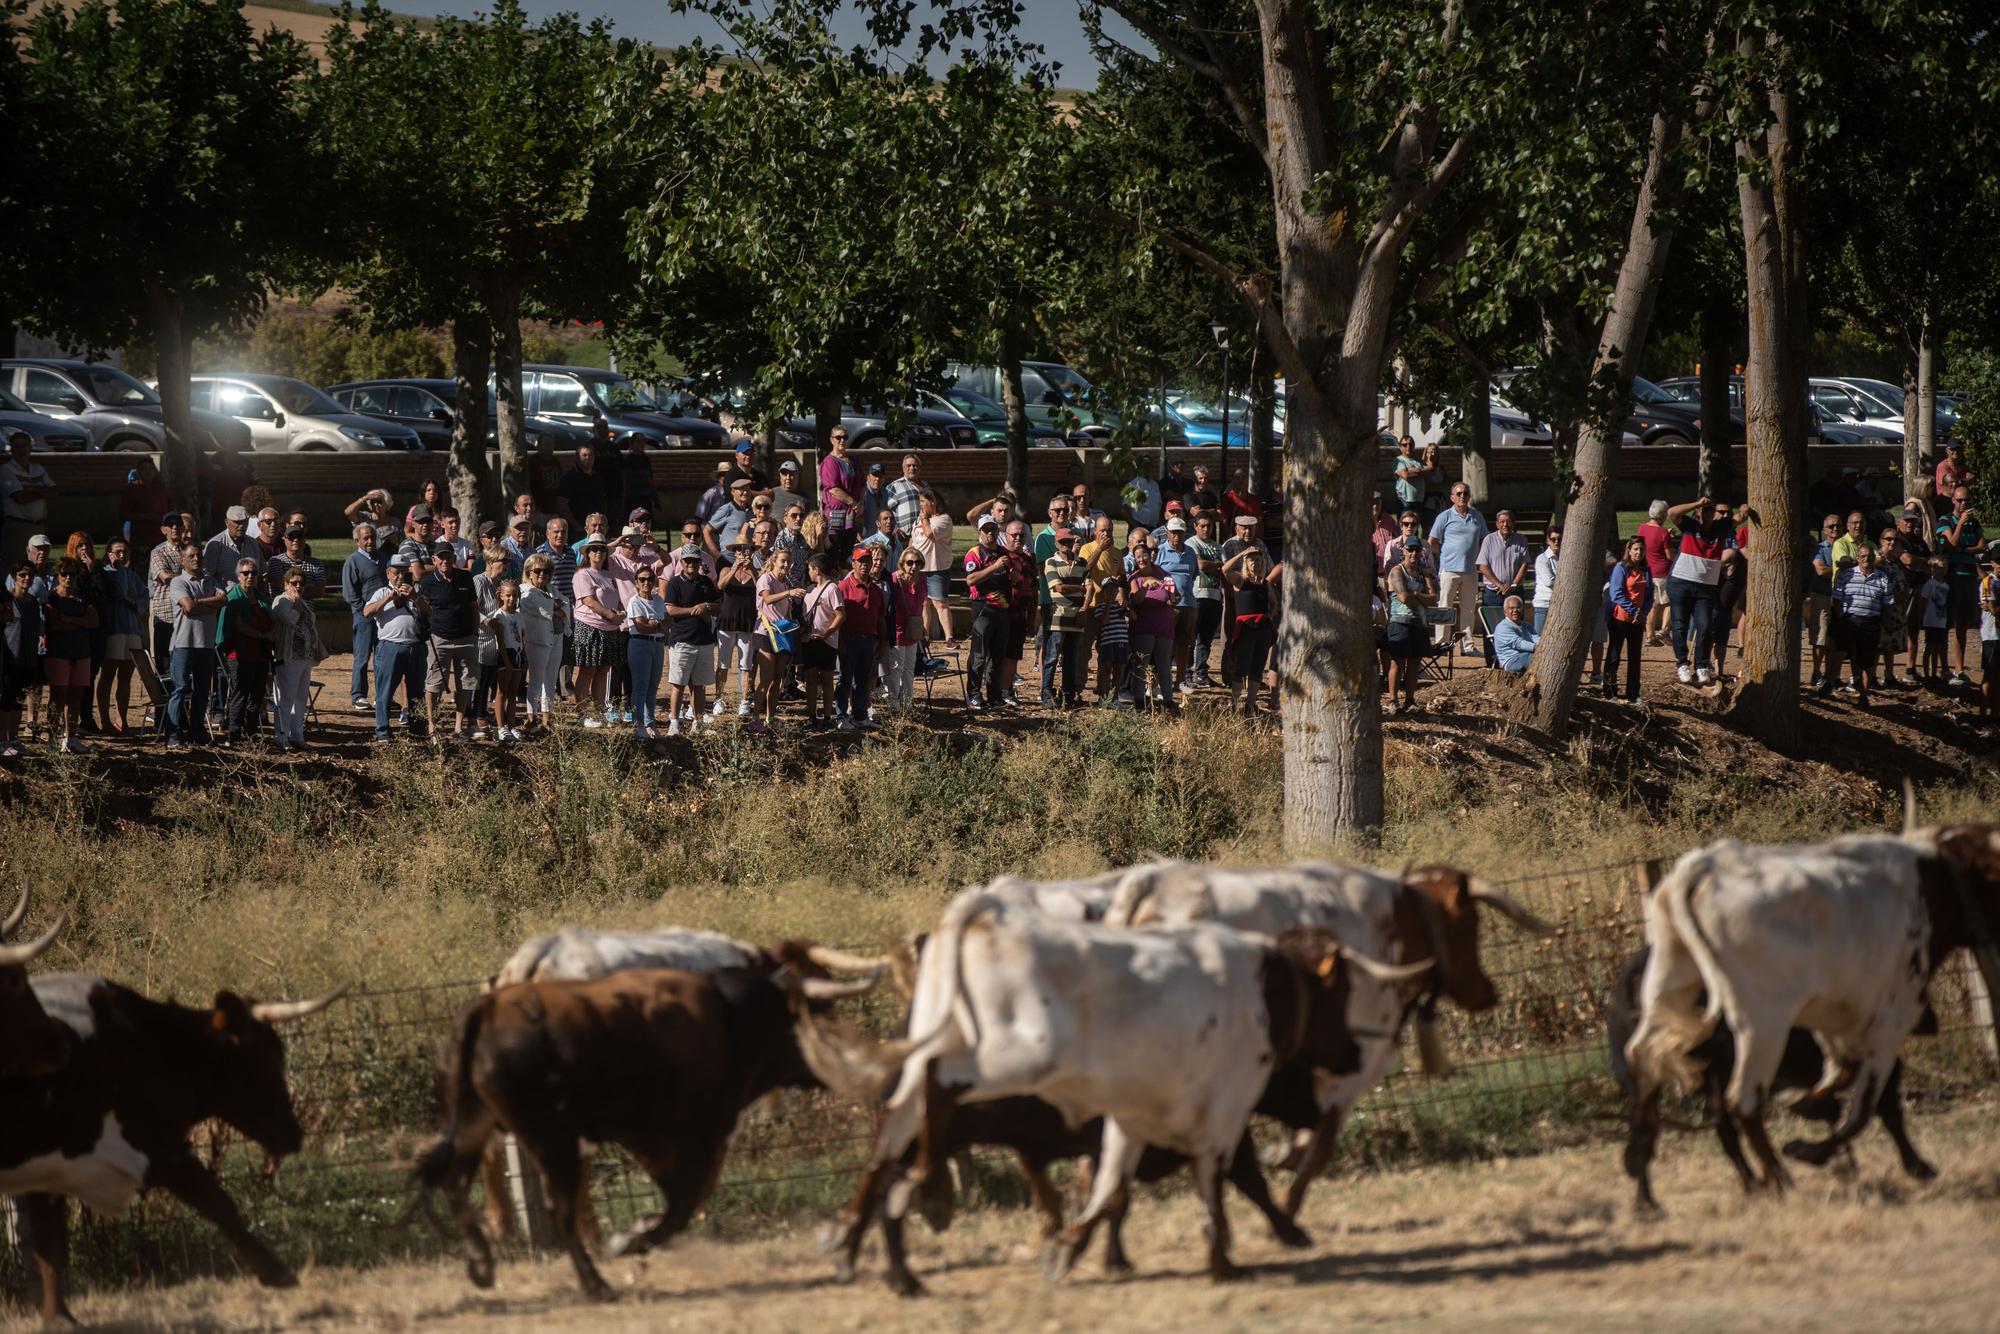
x: 1514, y: 638
x: 1455, y: 538
x: 1178, y: 562
x: 362, y: 576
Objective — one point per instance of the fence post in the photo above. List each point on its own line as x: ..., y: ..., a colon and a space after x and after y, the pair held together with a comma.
x: 531, y: 1208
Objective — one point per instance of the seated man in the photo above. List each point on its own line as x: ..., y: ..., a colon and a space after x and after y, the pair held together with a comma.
x: 1514, y: 638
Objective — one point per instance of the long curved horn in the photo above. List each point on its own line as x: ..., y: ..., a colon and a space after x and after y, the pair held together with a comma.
x: 283, y: 1012
x: 1511, y: 910
x: 840, y: 961
x: 1386, y: 972
x: 15, y: 918
x: 819, y: 989
x: 18, y: 956
x: 1909, y: 807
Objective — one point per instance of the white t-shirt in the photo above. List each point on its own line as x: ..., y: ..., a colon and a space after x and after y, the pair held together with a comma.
x: 1545, y: 578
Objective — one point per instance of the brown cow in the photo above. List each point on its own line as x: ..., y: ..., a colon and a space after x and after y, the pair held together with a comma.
x: 659, y: 1062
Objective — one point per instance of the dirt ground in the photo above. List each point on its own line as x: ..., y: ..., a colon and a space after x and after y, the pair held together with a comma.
x: 1532, y: 1243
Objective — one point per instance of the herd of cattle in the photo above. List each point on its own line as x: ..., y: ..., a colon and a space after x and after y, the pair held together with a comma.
x: 1138, y: 1020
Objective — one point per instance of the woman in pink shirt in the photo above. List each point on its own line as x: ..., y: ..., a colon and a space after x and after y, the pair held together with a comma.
x: 599, y: 611
x: 906, y: 635
x: 819, y: 650
x: 837, y: 491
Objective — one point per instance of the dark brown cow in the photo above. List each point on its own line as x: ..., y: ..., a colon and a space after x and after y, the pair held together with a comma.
x: 659, y: 1062
x: 31, y: 1043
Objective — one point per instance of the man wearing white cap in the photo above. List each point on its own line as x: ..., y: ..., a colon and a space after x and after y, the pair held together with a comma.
x: 230, y: 546
x: 1177, y: 560
x: 692, y: 603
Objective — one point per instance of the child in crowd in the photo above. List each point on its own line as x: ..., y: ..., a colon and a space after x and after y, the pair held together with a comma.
x: 1935, y: 598
x: 506, y: 627
x: 1114, y: 640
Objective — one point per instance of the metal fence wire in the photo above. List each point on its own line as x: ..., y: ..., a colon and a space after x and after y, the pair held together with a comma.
x: 1530, y: 1074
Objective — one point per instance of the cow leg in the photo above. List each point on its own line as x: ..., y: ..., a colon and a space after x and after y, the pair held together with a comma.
x: 842, y: 1235
x: 1248, y: 1178
x: 896, y: 1258
x: 1208, y: 1172
x: 1759, y: 1052
x: 195, y: 1186
x: 1116, y: 1261
x: 1890, y: 1109
x: 562, y: 1166
x: 47, y: 1220
x: 1117, y: 1159
x: 686, y: 1179
x: 1047, y: 1198
x: 938, y: 1100
x: 1318, y: 1151
x: 493, y: 1177
x: 1642, y: 1135
x: 1732, y: 1142
x: 1860, y: 1106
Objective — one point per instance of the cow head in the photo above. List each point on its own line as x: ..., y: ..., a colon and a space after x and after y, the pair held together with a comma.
x: 1963, y: 903
x: 1305, y: 995
x: 31, y: 1043
x: 1437, y: 918
x: 249, y: 1088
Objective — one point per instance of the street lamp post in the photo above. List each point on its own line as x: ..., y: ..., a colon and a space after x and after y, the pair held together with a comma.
x: 1221, y: 332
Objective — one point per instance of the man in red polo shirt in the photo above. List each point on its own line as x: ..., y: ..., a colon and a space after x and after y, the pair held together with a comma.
x: 861, y: 596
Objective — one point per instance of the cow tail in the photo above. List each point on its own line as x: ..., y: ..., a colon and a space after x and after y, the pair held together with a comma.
x: 1672, y: 1033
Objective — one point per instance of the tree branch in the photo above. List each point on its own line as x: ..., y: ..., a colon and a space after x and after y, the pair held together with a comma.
x: 1254, y: 288
x: 1215, y: 68
x: 1390, y: 232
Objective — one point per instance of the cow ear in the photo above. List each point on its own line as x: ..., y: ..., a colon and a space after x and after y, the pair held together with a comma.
x: 230, y: 1014
x: 1327, y: 964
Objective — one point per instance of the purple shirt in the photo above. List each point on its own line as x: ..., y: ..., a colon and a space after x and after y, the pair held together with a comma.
x: 835, y: 471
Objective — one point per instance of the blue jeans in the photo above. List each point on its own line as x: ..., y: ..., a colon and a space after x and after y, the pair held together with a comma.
x: 1541, y: 619
x: 644, y: 660
x: 1694, y: 617
x: 364, y: 650
x: 1049, y: 645
x: 398, y: 663
x: 857, y: 677
x: 192, y: 669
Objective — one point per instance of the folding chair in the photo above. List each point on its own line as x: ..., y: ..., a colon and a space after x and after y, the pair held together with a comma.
x: 955, y: 667
x: 1489, y: 621
x: 1438, y: 661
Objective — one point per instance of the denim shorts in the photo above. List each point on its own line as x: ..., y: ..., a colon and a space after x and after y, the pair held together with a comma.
x: 938, y: 585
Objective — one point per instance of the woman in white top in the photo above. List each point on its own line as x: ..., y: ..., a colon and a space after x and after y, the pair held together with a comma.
x: 1545, y: 577
x: 544, y: 622
x: 294, y: 649
x: 932, y: 539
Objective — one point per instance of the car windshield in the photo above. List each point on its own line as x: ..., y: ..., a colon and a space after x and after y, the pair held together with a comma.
x: 297, y: 396
x: 1647, y: 392
x: 12, y: 404
x: 1882, y: 389
x: 976, y: 406
x: 1073, y: 387
x: 112, y: 386
x: 616, y: 392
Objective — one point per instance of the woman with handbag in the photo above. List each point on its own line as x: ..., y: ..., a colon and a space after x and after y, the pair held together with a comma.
x: 778, y: 610
x: 295, y: 650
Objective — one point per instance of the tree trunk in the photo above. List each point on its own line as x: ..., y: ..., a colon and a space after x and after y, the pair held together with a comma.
x: 1915, y: 474
x: 1326, y: 642
x: 1771, y: 204
x: 1475, y: 461
x: 1263, y: 434
x: 468, y: 476
x: 1927, y: 442
x: 1015, y: 400
x: 180, y: 464
x: 1551, y: 681
x: 504, y: 307
x: 1719, y: 325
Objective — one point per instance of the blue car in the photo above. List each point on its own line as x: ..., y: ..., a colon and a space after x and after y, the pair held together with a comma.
x: 1202, y: 421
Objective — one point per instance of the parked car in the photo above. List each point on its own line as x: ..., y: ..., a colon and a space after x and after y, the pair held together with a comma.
x: 1203, y: 420
x: 1056, y: 395
x: 585, y: 395
x: 1506, y: 425
x: 1894, y: 397
x: 1827, y: 428
x: 923, y: 427
x: 1843, y: 401
x: 50, y: 436
x: 428, y: 407
x: 988, y: 418
x: 115, y: 410
x: 291, y: 416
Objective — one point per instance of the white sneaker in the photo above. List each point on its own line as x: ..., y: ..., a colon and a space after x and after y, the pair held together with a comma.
x: 742, y: 707
x: 1684, y: 674
x: 1702, y: 676
x: 594, y: 723
x: 674, y: 727
x: 717, y: 708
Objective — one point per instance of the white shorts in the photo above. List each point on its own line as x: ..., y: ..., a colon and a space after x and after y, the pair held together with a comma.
x: 120, y: 648
x: 690, y: 664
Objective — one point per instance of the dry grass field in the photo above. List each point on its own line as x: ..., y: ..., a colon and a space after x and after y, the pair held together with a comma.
x: 1533, y: 1243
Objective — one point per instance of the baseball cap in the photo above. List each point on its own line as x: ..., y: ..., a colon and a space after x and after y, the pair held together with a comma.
x: 1953, y: 444
x: 988, y: 521
x: 722, y: 465
x: 875, y: 468
x: 237, y: 514
x: 1413, y: 541
x: 639, y: 515
x: 170, y: 517
x: 789, y: 465
x: 690, y: 553
x: 444, y: 549
x: 1177, y: 524
x: 398, y: 561
x: 519, y: 521
x: 294, y: 531
x: 40, y: 540
x: 862, y: 550
x: 487, y: 529
x: 1173, y: 505
x: 743, y: 445
x: 418, y: 512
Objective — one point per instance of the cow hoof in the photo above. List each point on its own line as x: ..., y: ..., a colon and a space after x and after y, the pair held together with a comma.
x: 1227, y: 1272
x: 278, y: 1278
x: 1292, y: 1235
x: 1808, y: 1151
x: 843, y: 1269
x: 905, y: 1285
x: 600, y: 1292
x: 1118, y: 1265
x: 1919, y: 1170
x: 480, y: 1272
x: 1056, y: 1261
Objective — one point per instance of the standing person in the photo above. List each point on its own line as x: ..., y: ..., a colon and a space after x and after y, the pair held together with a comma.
x: 583, y: 490
x: 932, y: 540
x: 692, y: 601
x: 197, y: 600
x: 562, y: 580
x: 20, y: 660
x: 1952, y: 470
x: 25, y: 492
x: 243, y: 634
x: 861, y: 625
x: 599, y: 613
x: 545, y: 626
x: 362, y: 575
x: 874, y: 497
x: 786, y: 493
x: 1706, y: 532
x: 1208, y: 595
x: 1503, y: 565
x: 509, y: 635
x: 1819, y: 598
x: 1249, y: 574
x: 1103, y: 560
x: 295, y: 648
x: 1934, y: 599
x: 1413, y: 473
x: 1114, y: 637
x: 122, y: 607
x: 819, y: 650
x: 1989, y: 645
x: 904, y: 496
x: 497, y: 569
x: 1961, y: 541
x: 294, y: 554
x: 837, y: 499
x: 1456, y: 535
x: 1021, y: 584
x: 375, y: 507
x: 716, y: 495
x: 778, y: 609
x: 1895, y: 613
x: 1632, y: 595
x: 905, y: 609
x: 1178, y: 561
x: 1202, y: 497
x: 725, y: 521
x: 454, y: 648
x: 645, y: 629
x: 1913, y: 550
x: 1860, y: 593
x: 1063, y: 576
x: 163, y: 566
x: 1044, y: 551
x: 986, y: 586
x: 399, y: 611
x: 1411, y: 590
x: 82, y: 549
x: 1153, y: 596
x: 736, y: 625
x: 1545, y: 577
x: 67, y: 620
x: 1659, y: 563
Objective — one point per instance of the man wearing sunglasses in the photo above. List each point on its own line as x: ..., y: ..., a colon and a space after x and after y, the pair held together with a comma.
x: 1454, y: 538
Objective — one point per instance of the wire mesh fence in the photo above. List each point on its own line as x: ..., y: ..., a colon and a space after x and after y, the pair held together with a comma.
x: 1532, y: 1073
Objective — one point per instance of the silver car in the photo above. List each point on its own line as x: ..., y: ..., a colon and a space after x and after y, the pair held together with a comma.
x: 48, y: 434
x: 291, y: 416
x: 112, y: 409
